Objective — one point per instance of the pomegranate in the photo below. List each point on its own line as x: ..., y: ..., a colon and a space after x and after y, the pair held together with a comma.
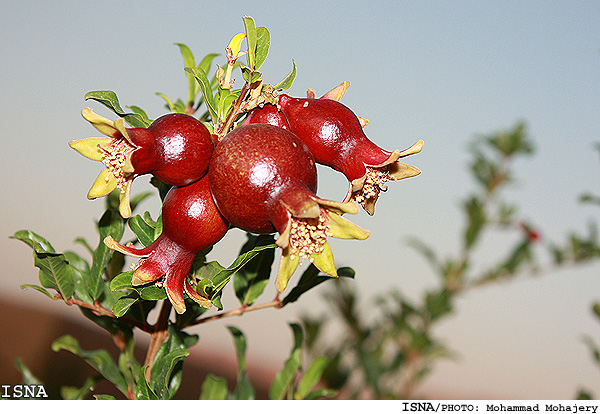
x: 175, y: 148
x: 191, y: 223
x: 334, y: 135
x: 263, y: 179
x: 267, y: 114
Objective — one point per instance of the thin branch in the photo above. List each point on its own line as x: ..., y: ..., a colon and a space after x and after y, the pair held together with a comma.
x: 159, y: 334
x: 239, y: 311
x: 100, y: 311
x: 235, y: 111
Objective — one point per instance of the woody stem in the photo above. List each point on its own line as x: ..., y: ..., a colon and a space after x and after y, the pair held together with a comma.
x: 159, y: 334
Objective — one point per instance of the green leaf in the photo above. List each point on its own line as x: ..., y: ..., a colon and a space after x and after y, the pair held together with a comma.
x: 122, y: 305
x: 110, y: 100
x: 166, y: 373
x: 221, y: 278
x: 112, y: 325
x: 593, y: 349
x: 39, y: 289
x: 85, y: 244
x: 438, y: 304
x: 426, y: 251
x: 121, y: 281
x: 110, y: 224
x: 243, y: 389
x: 153, y: 292
x: 207, y: 61
x: 55, y: 273
x: 74, y: 393
x: 251, y: 38
x: 33, y: 240
x: 100, y: 360
x: 596, y: 310
x: 298, y: 336
x: 239, y: 340
x: 310, y: 278
x: 225, y: 101
x: 81, y: 272
x: 251, y: 280
x: 162, y: 188
x: 27, y: 377
x: 104, y: 397
x: 206, y: 89
x: 169, y: 104
x: 188, y: 60
x: 214, y: 388
x: 263, y: 41
x: 143, y: 230
x: 284, y: 378
x: 520, y: 256
x: 476, y: 220
x: 162, y: 370
x: 322, y: 393
x: 158, y: 225
x: 142, y: 113
x: 144, y: 392
x: 311, y: 378
x: 287, y: 82
x: 512, y: 141
x: 250, y: 76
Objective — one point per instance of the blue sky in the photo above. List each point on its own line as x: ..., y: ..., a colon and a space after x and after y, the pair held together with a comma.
x: 443, y: 72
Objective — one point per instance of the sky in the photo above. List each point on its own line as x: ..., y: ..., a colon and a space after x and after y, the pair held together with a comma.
x: 443, y: 72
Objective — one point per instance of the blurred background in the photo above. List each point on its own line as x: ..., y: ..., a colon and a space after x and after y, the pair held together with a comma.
x: 443, y: 72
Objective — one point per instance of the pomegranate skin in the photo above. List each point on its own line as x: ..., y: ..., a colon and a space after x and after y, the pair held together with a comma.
x: 175, y: 148
x: 191, y: 223
x: 268, y: 114
x: 190, y: 217
x: 333, y: 133
x: 263, y: 179
x: 253, y: 168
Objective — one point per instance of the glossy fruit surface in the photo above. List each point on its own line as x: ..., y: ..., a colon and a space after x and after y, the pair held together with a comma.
x: 191, y: 223
x: 263, y: 179
x: 268, y: 114
x: 334, y: 135
x: 253, y: 168
x: 176, y: 149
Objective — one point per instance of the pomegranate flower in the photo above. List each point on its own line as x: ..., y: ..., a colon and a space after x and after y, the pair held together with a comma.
x: 306, y: 231
x: 175, y: 148
x: 115, y: 152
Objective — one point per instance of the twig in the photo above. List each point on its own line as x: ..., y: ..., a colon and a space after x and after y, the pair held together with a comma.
x: 235, y: 110
x: 239, y: 311
x: 159, y: 333
x: 100, y: 311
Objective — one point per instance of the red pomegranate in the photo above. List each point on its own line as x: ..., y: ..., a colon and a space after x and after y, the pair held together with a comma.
x: 267, y: 114
x: 191, y: 223
x: 263, y: 179
x: 175, y: 148
x: 334, y: 135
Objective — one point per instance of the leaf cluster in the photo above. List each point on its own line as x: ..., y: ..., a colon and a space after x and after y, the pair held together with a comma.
x: 100, y: 284
x: 390, y: 355
x: 293, y: 381
x: 102, y: 289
